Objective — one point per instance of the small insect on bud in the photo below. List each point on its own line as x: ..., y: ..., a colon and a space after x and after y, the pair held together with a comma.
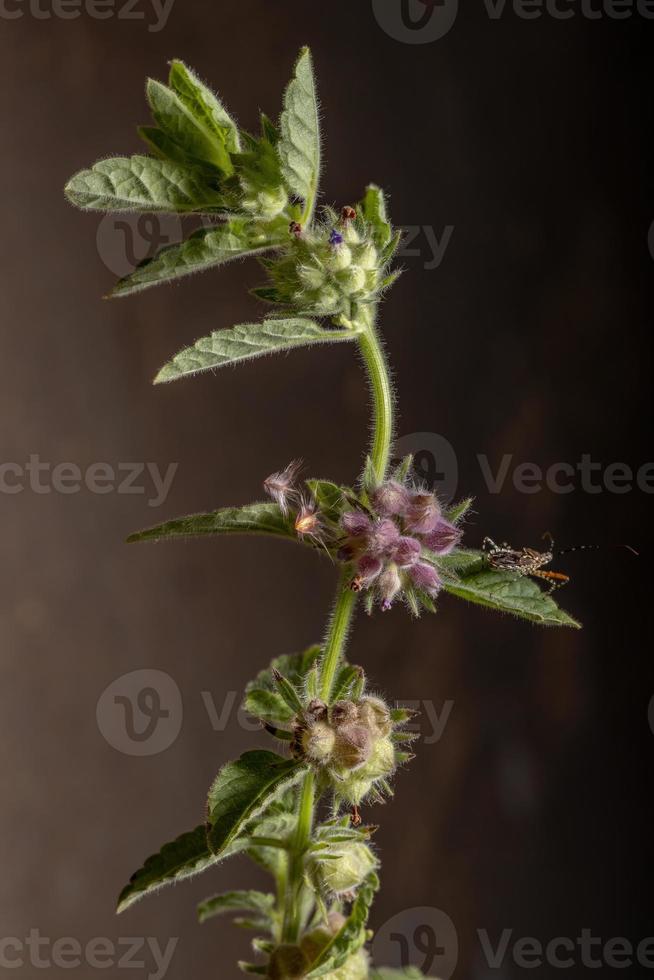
x: 444, y: 538
x: 348, y: 214
x: 423, y: 513
x: 407, y: 552
x: 295, y: 228
x: 425, y: 577
x: 389, y: 585
x: 391, y: 499
x: 281, y: 486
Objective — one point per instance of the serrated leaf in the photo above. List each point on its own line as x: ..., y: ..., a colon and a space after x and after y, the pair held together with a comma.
x: 243, y: 790
x: 182, y: 126
x: 265, y: 518
x: 248, y: 340
x: 205, y: 248
x: 299, y: 143
x: 352, y: 936
x: 245, y: 901
x: 459, y: 510
x: 204, y: 105
x: 184, y: 857
x: 263, y: 700
x: 373, y: 207
x: 142, y: 183
x: 507, y: 592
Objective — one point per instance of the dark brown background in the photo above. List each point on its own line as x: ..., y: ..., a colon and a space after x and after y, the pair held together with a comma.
x: 532, y: 338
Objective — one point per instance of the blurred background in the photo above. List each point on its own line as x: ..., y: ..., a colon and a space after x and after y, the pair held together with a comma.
x: 513, y: 150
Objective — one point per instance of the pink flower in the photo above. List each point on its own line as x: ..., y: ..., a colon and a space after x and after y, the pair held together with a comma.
x: 356, y: 523
x: 391, y: 499
x: 422, y: 513
x: 383, y: 536
x: 425, y: 577
x: 406, y: 552
x: 444, y: 538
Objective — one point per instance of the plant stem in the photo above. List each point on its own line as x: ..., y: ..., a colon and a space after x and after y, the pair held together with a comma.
x: 382, y: 394
x: 339, y: 624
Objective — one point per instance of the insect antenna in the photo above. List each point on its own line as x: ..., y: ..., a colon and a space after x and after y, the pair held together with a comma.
x: 594, y: 547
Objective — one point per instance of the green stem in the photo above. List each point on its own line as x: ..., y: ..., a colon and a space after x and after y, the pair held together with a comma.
x: 382, y: 394
x: 337, y: 636
x: 301, y: 840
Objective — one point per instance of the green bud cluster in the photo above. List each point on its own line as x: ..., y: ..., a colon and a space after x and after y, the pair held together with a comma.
x: 326, y: 269
x: 292, y: 962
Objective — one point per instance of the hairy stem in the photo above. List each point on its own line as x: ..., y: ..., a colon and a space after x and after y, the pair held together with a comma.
x: 337, y: 636
x: 382, y: 395
x: 299, y: 845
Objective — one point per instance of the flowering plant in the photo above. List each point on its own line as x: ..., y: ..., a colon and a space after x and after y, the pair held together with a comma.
x: 391, y: 538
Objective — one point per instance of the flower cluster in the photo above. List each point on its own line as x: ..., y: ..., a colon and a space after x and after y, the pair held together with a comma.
x: 327, y: 268
x: 393, y: 543
x: 355, y: 743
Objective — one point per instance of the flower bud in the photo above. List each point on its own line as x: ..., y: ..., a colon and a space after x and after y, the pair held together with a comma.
x: 422, y: 513
x: 381, y: 762
x: 368, y: 568
x: 327, y: 301
x: 312, y: 276
x: 348, y: 868
x: 444, y: 538
x: 353, y: 279
x: 318, y: 742
x: 383, y: 536
x: 425, y: 577
x: 389, y: 585
x: 313, y: 943
x: 407, y: 552
x: 353, y: 745
x: 354, y: 968
x: 356, y: 523
x: 391, y: 499
x: 340, y: 259
x: 376, y: 715
x: 367, y: 257
x: 351, y: 235
x: 287, y: 963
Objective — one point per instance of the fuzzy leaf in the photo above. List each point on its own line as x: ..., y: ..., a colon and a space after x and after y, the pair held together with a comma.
x: 504, y: 591
x: 329, y: 497
x: 204, y: 105
x: 250, y: 901
x: 184, y: 857
x: 245, y: 341
x: 205, y: 248
x: 264, y: 518
x: 245, y: 789
x: 299, y: 143
x: 262, y: 698
x: 353, y: 934
x: 181, y: 125
x: 142, y: 183
x: 374, y: 211
x: 459, y: 510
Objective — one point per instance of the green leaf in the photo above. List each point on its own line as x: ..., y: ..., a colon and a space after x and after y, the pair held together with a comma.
x: 245, y: 789
x: 248, y: 340
x: 142, y: 183
x: 162, y: 145
x: 264, y: 518
x: 352, y: 936
x: 329, y: 497
x: 373, y: 207
x: 205, y: 248
x: 299, y: 143
x: 507, y: 592
x: 262, y: 698
x: 204, y: 105
x: 184, y: 857
x: 459, y: 510
x: 246, y: 901
x: 192, y: 134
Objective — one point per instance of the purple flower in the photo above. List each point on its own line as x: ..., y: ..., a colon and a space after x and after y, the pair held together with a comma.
x: 356, y: 523
x: 423, y: 513
x: 406, y: 552
x: 391, y: 499
x: 425, y: 577
x: 444, y: 538
x: 335, y: 238
x: 368, y: 568
x: 383, y: 536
